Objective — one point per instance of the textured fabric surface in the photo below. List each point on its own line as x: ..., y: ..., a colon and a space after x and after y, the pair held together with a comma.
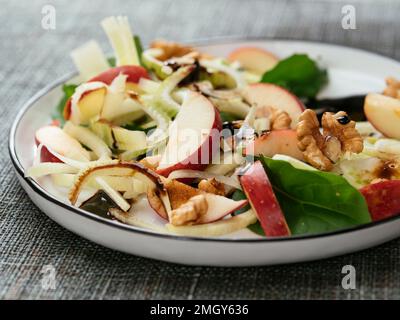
x: 31, y: 58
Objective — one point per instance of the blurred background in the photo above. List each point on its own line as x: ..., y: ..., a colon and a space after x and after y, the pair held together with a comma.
x: 32, y: 57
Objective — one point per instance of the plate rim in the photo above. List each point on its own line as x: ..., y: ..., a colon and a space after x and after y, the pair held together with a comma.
x: 129, y: 228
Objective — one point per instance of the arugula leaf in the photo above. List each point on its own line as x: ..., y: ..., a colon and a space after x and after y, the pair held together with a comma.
x: 237, y: 196
x: 68, y: 90
x: 137, y: 127
x: 299, y: 74
x: 139, y: 48
x: 315, y: 201
x: 112, y: 62
x: 255, y: 227
x: 228, y: 117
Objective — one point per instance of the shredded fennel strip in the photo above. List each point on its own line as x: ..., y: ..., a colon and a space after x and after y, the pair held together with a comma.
x: 218, y: 228
x: 90, y: 60
x: 120, y: 36
x: 45, y: 168
x: 114, y: 195
x: 89, y: 139
x: 218, y: 64
x: 131, y: 219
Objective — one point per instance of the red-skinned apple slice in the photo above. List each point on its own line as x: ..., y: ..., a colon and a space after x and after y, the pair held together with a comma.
x: 133, y: 73
x: 383, y: 113
x: 254, y: 59
x: 275, y: 142
x: 383, y: 199
x: 267, y: 95
x: 193, y: 136
x: 54, y: 138
x: 92, y: 101
x: 258, y: 190
x: 180, y: 193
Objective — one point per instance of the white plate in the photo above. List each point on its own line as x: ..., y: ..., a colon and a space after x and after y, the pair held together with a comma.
x: 351, y: 71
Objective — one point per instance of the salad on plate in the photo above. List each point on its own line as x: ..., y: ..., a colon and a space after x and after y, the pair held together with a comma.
x: 178, y: 141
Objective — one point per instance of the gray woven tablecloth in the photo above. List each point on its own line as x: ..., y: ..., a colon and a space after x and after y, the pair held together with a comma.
x: 31, y: 58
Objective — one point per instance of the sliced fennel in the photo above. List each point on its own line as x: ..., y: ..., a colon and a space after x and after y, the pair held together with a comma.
x: 234, y: 106
x: 113, y: 194
x: 131, y: 219
x: 222, y: 66
x: 294, y: 162
x: 89, y: 139
x: 130, y: 186
x: 217, y: 228
x: 151, y: 62
x: 366, y: 129
x: 162, y: 98
x: 148, y: 86
x: 128, y: 139
x: 391, y: 146
x: 103, y: 130
x: 227, y: 162
x: 45, y: 168
x: 120, y: 36
x: 360, y: 172
x: 90, y: 60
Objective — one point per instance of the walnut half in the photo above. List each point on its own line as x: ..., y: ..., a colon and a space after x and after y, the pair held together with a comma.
x: 392, y: 88
x: 212, y: 186
x: 190, y: 212
x: 339, y: 135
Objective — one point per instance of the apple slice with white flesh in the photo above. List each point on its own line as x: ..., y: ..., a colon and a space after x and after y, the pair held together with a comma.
x: 274, y: 142
x: 92, y: 98
x: 180, y: 193
x: 268, y: 95
x: 254, y: 59
x: 383, y: 113
x: 86, y: 102
x: 54, y: 138
x: 193, y: 136
x: 258, y: 190
x: 133, y: 73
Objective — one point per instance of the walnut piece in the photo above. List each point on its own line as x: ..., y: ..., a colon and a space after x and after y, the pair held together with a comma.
x: 339, y: 136
x: 190, y: 212
x: 311, y: 141
x: 212, y: 186
x: 170, y: 49
x: 392, y: 88
x: 279, y: 119
x: 340, y: 126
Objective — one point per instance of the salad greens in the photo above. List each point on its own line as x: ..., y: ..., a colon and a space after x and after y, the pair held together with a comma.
x: 299, y: 74
x: 315, y: 201
x: 68, y: 90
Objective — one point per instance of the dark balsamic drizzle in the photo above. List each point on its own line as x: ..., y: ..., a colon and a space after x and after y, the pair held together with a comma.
x: 99, y: 204
x: 352, y: 105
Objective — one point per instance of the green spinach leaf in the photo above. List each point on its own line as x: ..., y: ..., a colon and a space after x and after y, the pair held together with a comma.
x: 299, y: 74
x: 68, y: 90
x: 315, y: 201
x: 255, y: 227
x: 139, y: 48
